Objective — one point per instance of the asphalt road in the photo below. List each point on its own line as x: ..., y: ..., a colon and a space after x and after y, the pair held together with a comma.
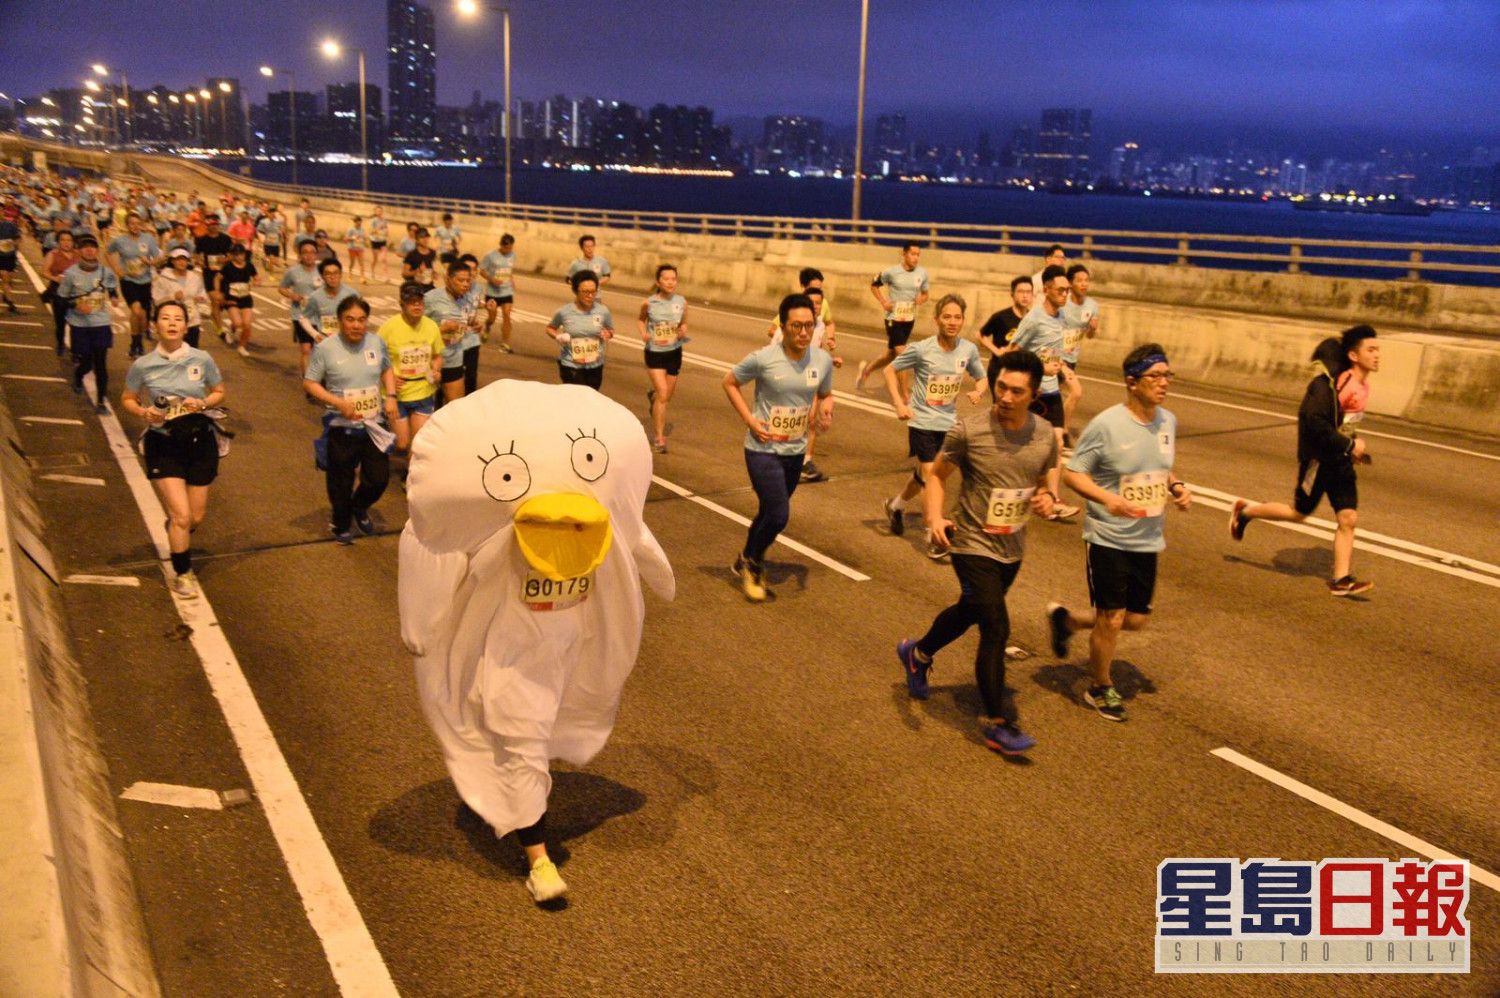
x: 773, y: 815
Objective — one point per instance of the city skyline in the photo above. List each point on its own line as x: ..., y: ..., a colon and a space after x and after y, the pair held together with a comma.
x: 1150, y: 72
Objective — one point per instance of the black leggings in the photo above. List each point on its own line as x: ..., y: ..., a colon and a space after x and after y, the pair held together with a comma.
x: 533, y: 834
x: 96, y: 360
x: 983, y: 583
x: 351, y: 450
x: 471, y: 370
x: 60, y: 319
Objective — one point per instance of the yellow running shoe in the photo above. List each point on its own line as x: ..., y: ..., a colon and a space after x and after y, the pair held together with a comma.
x: 545, y: 883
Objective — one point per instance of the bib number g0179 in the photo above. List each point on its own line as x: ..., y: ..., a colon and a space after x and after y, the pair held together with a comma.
x: 543, y: 594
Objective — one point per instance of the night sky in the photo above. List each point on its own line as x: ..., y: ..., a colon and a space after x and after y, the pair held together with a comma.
x: 1320, y: 74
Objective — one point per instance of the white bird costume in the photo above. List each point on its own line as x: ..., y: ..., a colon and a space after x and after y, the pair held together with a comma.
x: 520, y: 592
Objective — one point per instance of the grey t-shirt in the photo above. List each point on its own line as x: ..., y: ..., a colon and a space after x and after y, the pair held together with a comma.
x: 1000, y: 470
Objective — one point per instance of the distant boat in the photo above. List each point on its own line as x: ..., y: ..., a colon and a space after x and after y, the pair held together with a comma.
x: 1362, y: 206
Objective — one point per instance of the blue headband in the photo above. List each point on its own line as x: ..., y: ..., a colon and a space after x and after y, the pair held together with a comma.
x: 1145, y: 364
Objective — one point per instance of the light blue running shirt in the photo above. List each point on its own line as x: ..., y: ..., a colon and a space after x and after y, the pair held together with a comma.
x: 939, y: 378
x: 785, y: 392
x: 1134, y: 460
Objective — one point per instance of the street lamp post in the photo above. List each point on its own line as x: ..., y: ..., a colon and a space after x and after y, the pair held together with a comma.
x: 859, y: 121
x: 93, y: 87
x: 204, y: 97
x: 224, y: 89
x: 124, y: 137
x: 333, y: 50
x: 469, y: 8
x: 291, y: 87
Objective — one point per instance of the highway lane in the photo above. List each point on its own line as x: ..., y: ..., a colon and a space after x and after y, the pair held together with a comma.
x: 773, y: 814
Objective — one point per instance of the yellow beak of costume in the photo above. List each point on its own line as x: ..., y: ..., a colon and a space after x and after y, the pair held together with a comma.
x: 563, y: 535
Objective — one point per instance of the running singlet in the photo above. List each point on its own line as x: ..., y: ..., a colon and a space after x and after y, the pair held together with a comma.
x: 663, y: 316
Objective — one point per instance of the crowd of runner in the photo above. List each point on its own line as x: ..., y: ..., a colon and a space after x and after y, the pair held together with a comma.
x: 175, y: 264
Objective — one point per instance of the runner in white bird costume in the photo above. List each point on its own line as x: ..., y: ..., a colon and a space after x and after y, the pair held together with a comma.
x: 520, y: 590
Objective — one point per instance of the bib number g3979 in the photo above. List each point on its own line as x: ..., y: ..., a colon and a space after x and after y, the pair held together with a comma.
x: 903, y: 311
x: 411, y: 362
x: 543, y: 594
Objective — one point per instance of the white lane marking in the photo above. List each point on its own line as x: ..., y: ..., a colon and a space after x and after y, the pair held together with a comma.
x: 1361, y: 545
x: 1453, y: 560
x: 25, y: 346
x: 74, y: 480
x: 34, y: 377
x: 172, y: 795
x: 1338, y: 807
x: 1281, y: 415
x: 18, y: 322
x: 52, y: 420
x: 104, y: 580
x: 730, y: 514
x: 271, y: 301
x: 352, y: 954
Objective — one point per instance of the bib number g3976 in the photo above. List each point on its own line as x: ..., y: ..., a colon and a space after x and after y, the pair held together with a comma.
x: 543, y: 594
x: 1008, y: 511
x: 942, y: 389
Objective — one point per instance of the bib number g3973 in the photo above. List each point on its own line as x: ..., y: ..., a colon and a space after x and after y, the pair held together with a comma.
x: 1146, y: 489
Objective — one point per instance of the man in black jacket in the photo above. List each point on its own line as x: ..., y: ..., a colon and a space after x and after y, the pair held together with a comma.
x: 1327, y: 452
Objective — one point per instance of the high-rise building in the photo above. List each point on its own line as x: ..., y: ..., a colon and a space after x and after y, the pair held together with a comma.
x: 1125, y: 163
x: 226, y: 114
x: 411, y: 61
x: 311, y: 130
x: 792, y: 141
x: 343, y: 118
x: 682, y: 136
x: 1062, y: 145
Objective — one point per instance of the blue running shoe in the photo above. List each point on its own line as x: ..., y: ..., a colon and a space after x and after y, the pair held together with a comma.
x: 1007, y: 739
x: 916, y: 671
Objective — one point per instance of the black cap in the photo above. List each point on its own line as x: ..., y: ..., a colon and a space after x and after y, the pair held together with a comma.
x: 87, y: 240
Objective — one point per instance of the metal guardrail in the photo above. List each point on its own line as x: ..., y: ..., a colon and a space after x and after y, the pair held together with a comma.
x: 1179, y: 248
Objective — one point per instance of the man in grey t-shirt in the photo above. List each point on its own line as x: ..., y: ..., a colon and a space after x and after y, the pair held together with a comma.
x: 1004, y: 456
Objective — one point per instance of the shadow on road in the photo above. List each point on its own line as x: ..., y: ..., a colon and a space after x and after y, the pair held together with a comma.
x: 958, y: 706
x: 1314, y: 563
x: 1068, y: 680
x: 777, y: 573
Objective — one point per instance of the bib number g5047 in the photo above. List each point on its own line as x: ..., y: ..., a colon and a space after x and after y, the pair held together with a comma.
x: 788, y: 422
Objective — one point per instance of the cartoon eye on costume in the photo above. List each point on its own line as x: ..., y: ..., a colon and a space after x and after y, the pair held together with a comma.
x: 506, y: 476
x: 590, y: 456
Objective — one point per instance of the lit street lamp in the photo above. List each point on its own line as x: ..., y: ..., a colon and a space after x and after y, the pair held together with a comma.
x: 470, y: 8
x: 224, y: 89
x: 859, y: 121
x: 291, y: 87
x: 333, y: 50
x: 102, y: 70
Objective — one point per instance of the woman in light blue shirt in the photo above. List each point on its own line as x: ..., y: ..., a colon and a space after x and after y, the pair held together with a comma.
x: 663, y: 326
x: 169, y: 389
x: 581, y: 329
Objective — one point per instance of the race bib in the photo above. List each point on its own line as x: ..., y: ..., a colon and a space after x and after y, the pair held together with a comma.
x: 328, y: 325
x: 664, y: 334
x: 1008, y: 511
x: 903, y: 311
x: 366, y: 400
x: 7, y: 245
x: 135, y: 267
x: 1072, y: 339
x: 942, y: 389
x: 412, y: 362
x: 91, y: 302
x: 173, y: 407
x: 788, y: 423
x: 584, y: 350
x: 502, y: 275
x: 239, y: 289
x: 215, y: 261
x: 543, y: 594
x: 1146, y: 489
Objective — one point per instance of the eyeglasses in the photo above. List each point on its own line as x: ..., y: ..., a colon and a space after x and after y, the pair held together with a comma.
x: 1159, y: 375
x: 801, y: 327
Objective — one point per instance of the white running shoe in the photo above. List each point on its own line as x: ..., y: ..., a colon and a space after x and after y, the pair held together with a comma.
x: 545, y: 883
x: 242, y: 352
x: 185, y: 586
